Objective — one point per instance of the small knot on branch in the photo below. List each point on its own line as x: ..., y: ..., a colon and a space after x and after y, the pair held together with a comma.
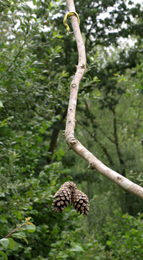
x: 73, y: 85
x: 119, y: 178
x: 81, y: 66
x: 73, y: 141
x: 91, y: 166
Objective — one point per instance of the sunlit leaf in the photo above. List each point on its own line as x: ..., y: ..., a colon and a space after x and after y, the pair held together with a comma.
x: 31, y: 228
x: 77, y: 248
x: 1, y: 104
x: 4, y: 242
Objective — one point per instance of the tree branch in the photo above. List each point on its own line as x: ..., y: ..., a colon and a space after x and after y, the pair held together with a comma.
x: 73, y: 143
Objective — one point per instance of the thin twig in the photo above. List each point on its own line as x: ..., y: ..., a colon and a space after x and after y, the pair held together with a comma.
x: 15, y: 230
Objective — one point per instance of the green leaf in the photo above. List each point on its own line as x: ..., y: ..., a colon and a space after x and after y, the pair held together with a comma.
x: 11, y: 243
x: 31, y: 228
x: 77, y: 248
x: 4, y: 242
x: 108, y: 243
x: 4, y: 255
x: 17, y: 235
x: 64, y: 256
x: 1, y: 104
x: 18, y: 213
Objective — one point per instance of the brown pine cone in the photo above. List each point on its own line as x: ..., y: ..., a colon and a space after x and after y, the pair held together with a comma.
x: 80, y: 202
x: 69, y: 193
x: 63, y: 196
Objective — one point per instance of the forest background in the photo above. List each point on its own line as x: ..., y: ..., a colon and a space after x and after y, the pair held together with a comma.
x: 37, y: 64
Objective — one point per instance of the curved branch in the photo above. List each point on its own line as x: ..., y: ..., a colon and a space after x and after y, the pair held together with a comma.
x: 73, y: 143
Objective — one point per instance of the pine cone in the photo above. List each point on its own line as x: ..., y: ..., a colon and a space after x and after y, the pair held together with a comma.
x: 63, y: 196
x: 80, y: 202
x: 69, y: 193
x: 71, y: 185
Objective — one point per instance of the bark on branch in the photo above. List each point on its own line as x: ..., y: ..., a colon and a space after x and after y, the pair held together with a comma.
x: 73, y: 143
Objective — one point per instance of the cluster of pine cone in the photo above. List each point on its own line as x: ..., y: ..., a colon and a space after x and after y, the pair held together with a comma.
x: 68, y: 193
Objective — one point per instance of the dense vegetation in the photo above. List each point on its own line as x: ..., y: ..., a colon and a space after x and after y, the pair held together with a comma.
x: 37, y: 63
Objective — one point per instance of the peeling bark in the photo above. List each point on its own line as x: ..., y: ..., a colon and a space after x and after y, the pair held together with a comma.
x: 73, y: 143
